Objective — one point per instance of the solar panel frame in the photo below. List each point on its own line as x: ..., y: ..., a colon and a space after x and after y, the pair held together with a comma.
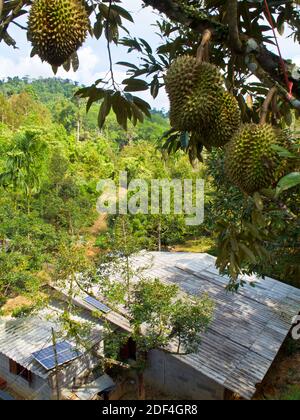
x: 65, y: 353
x: 96, y: 304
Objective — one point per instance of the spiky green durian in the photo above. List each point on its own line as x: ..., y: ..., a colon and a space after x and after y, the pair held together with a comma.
x: 193, y: 89
x: 250, y: 161
x: 226, y: 122
x: 57, y: 28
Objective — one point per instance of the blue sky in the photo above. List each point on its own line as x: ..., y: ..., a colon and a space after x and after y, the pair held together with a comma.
x: 93, y: 55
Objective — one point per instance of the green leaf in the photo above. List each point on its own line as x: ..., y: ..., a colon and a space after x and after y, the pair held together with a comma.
x: 184, y: 139
x: 289, y: 181
x: 125, y: 64
x: 135, y: 85
x: 155, y: 87
x: 98, y: 29
x: 104, y: 111
x: 283, y: 152
x: 122, y: 12
x: 248, y: 252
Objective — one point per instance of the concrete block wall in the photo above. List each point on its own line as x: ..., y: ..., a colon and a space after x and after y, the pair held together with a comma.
x: 39, y: 388
x: 170, y: 375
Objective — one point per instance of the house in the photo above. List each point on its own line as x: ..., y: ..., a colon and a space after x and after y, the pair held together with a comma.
x: 26, y: 353
x: 248, y: 329
x: 236, y: 353
x: 247, y: 332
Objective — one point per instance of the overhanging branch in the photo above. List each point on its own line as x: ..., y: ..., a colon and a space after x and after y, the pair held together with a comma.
x: 232, y: 19
x: 199, y: 21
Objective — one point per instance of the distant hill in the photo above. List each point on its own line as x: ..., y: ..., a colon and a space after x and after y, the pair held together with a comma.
x: 57, y: 95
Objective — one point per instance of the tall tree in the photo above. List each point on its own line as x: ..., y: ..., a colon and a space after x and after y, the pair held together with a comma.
x: 23, y: 166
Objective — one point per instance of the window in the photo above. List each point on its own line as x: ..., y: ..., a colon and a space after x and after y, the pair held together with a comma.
x: 19, y: 370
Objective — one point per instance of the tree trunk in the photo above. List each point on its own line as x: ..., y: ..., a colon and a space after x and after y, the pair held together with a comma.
x: 159, y: 236
x: 141, y: 386
x: 78, y: 131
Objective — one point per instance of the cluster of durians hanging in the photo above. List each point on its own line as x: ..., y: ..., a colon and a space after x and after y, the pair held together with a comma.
x: 57, y: 28
x: 201, y: 106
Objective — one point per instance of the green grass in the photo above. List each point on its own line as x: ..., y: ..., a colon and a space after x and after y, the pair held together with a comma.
x: 292, y: 393
x: 204, y: 244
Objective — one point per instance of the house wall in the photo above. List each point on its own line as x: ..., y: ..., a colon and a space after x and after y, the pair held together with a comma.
x: 170, y: 375
x: 38, y: 389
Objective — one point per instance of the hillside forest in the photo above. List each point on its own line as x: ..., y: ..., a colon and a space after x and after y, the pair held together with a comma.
x: 52, y: 157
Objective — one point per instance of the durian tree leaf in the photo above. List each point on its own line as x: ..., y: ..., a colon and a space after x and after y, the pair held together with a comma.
x: 147, y: 46
x: 155, y: 85
x: 122, y: 12
x: 184, y: 139
x: 289, y: 181
x: 139, y: 116
x: 248, y: 252
x: 125, y: 64
x: 131, y: 43
x: 121, y: 109
x: 283, y: 152
x: 95, y: 96
x: 98, y: 28
x: 253, y: 230
x: 135, y: 85
x: 142, y: 105
x: 9, y: 40
x: 104, y: 110
x: 110, y: 14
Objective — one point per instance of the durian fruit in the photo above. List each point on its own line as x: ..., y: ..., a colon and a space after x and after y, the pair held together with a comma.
x: 225, y: 123
x: 250, y: 161
x: 57, y: 28
x: 193, y: 89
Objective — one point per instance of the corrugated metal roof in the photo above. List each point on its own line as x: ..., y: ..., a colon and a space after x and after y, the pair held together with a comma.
x: 249, y: 327
x: 21, y: 337
x: 248, y: 330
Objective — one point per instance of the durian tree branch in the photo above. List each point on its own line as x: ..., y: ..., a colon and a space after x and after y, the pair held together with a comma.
x: 259, y: 72
x: 1, y: 7
x: 199, y: 22
x: 232, y: 19
x: 111, y: 69
x: 202, y: 51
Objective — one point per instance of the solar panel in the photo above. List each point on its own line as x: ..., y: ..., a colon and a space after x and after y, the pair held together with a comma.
x: 65, y: 353
x: 96, y: 304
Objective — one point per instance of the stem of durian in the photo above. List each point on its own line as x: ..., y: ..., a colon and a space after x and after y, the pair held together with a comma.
x: 202, y: 51
x: 266, y: 105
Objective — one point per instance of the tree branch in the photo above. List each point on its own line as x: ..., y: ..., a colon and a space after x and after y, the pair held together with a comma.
x: 262, y: 75
x: 232, y: 19
x: 203, y: 50
x: 200, y: 21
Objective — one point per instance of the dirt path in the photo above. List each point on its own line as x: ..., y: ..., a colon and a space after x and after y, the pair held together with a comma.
x: 100, y: 226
